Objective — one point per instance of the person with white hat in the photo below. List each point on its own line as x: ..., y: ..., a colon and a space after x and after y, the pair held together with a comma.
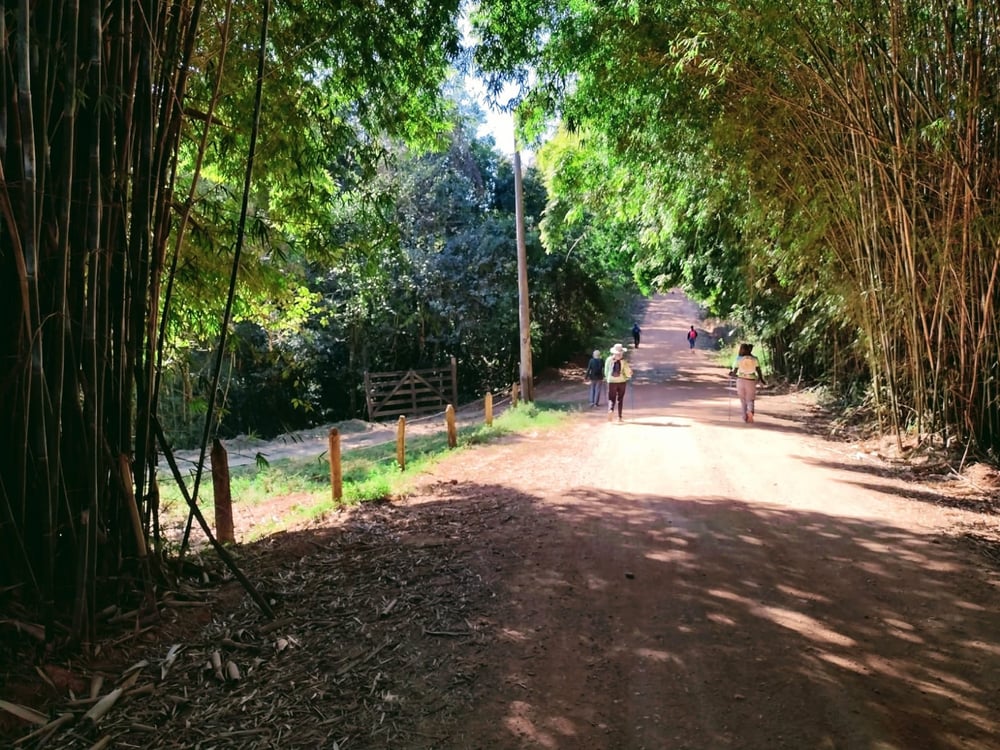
x: 617, y: 372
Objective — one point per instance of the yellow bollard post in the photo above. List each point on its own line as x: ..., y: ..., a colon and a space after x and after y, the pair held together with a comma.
x: 401, y: 443
x: 489, y: 409
x: 449, y: 418
x: 513, y: 394
x: 336, y: 468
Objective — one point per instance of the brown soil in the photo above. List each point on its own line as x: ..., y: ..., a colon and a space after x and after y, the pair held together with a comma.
x: 680, y: 580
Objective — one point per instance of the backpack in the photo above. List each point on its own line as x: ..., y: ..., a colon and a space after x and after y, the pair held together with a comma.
x: 746, y: 367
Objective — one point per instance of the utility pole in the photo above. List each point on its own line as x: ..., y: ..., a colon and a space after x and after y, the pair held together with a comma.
x: 527, y: 380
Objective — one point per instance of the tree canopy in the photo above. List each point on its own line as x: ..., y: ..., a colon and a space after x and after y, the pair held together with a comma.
x: 824, y: 171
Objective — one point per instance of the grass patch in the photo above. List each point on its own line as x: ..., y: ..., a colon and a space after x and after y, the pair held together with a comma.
x: 369, y: 473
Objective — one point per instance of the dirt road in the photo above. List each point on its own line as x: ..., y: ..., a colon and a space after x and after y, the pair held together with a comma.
x: 680, y: 581
x: 683, y: 580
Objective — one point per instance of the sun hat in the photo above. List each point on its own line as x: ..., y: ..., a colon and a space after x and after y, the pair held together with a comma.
x: 618, y: 349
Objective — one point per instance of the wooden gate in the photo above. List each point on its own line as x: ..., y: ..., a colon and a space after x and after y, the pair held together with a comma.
x: 410, y: 392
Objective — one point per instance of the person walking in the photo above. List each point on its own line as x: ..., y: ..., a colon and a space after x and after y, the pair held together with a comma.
x: 692, y: 337
x: 617, y: 372
x: 635, y: 334
x: 746, y: 370
x: 595, y: 374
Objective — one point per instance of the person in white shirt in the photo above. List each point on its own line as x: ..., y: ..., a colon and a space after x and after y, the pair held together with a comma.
x: 746, y: 370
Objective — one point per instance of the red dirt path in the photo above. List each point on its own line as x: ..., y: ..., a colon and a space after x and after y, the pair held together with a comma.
x: 681, y: 580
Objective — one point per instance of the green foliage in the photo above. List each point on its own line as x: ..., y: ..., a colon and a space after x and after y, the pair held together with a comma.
x: 794, y: 166
x: 368, y: 473
x: 424, y: 269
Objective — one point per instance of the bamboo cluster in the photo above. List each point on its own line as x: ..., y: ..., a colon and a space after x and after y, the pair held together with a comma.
x: 91, y: 119
x: 884, y: 127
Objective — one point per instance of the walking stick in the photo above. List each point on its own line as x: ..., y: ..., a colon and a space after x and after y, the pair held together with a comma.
x: 729, y: 411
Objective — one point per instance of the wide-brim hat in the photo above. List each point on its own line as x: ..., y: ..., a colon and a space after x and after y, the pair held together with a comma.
x: 618, y: 349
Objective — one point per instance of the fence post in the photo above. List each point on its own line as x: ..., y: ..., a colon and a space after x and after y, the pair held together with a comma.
x: 336, y: 468
x: 449, y: 418
x: 223, y: 493
x: 401, y: 443
x: 514, y: 394
x: 489, y: 409
x: 454, y: 381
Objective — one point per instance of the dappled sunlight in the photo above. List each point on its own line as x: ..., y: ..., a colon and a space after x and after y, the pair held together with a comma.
x: 905, y: 635
x: 959, y: 683
x: 785, y: 607
x: 542, y: 733
x: 884, y: 666
x: 802, y: 594
x: 989, y: 648
x: 509, y: 634
x: 641, y: 419
x: 655, y: 655
x: 670, y: 556
x: 897, y: 624
x: 933, y: 687
x: 594, y: 583
x: 721, y: 619
x: 875, y: 567
x: 550, y: 578
x: 804, y: 625
x: 842, y: 662
x: 801, y: 623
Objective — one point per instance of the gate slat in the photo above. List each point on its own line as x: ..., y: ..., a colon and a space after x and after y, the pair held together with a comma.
x: 410, y: 392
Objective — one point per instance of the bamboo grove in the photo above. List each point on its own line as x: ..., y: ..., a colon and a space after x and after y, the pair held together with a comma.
x: 124, y: 126
x: 845, y: 156
x: 897, y: 137
x: 91, y: 122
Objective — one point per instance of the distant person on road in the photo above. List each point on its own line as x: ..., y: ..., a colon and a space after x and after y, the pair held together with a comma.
x: 617, y: 372
x: 746, y: 370
x: 635, y: 334
x: 692, y: 337
x: 595, y: 374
